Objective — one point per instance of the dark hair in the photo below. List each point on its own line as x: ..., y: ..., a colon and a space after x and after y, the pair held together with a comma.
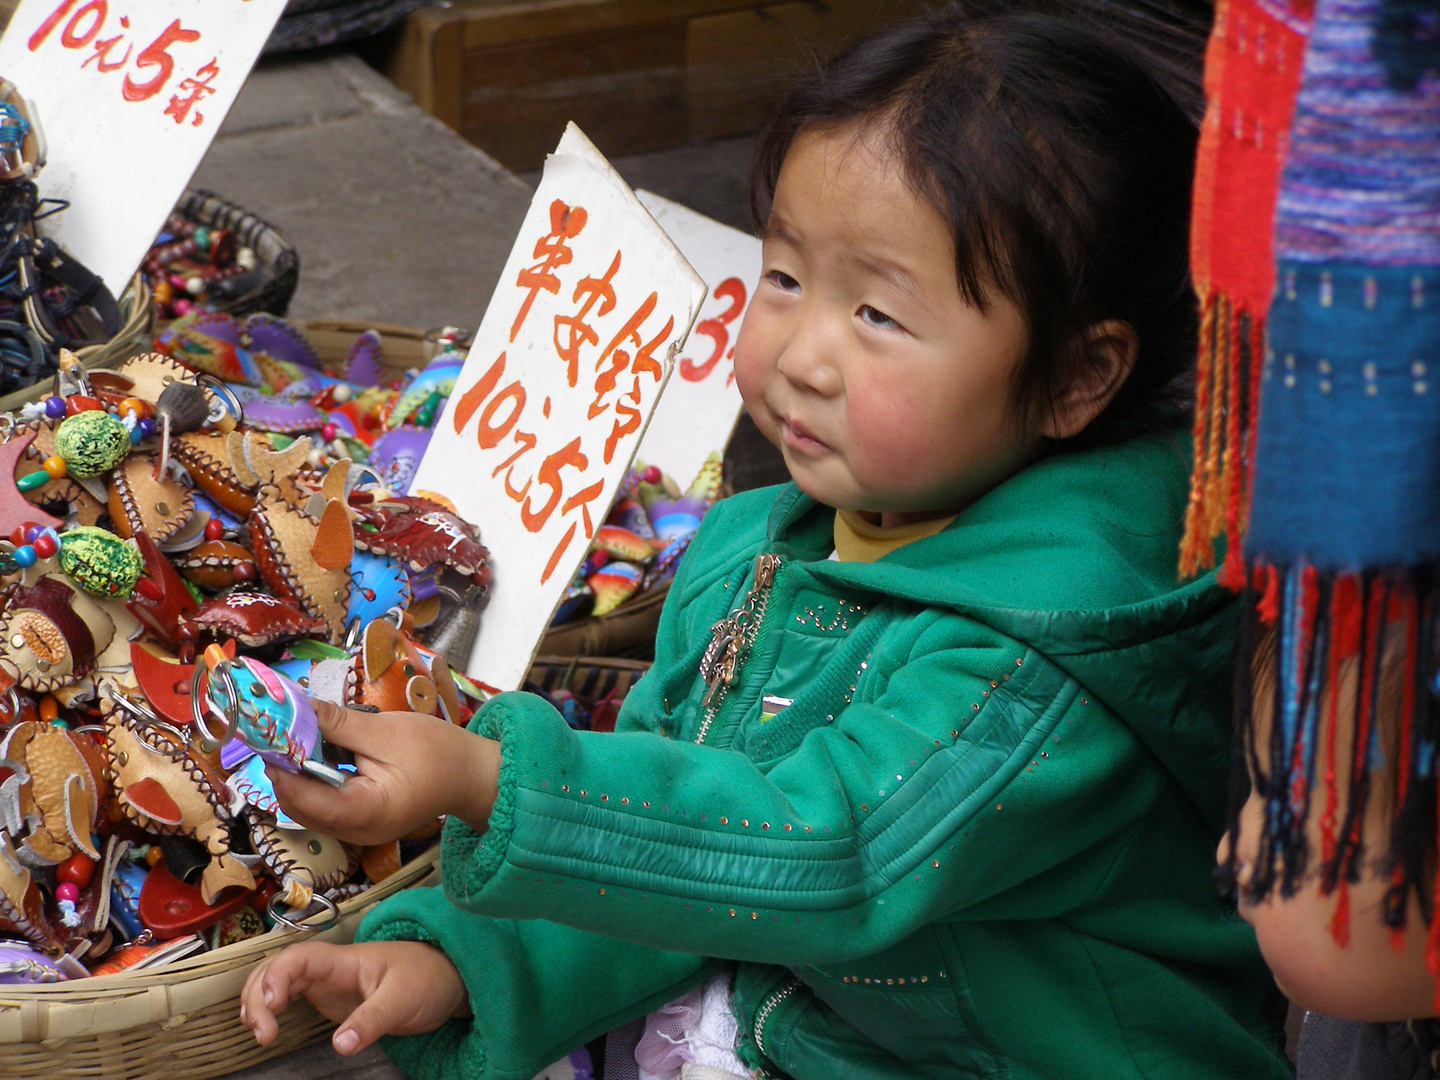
x: 1060, y: 150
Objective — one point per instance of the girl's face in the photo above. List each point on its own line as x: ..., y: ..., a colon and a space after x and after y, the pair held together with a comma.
x: 859, y: 358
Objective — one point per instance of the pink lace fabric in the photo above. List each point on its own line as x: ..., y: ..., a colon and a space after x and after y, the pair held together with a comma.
x: 698, y: 1029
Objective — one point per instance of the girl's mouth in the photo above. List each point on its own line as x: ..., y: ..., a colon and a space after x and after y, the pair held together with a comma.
x: 797, y: 437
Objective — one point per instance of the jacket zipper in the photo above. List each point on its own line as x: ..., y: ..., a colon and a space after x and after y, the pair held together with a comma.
x: 768, y: 1006
x: 731, y: 639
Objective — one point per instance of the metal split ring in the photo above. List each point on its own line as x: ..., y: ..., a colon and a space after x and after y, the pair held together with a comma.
x: 135, y: 707
x: 224, y: 393
x: 272, y: 908
x: 357, y: 467
x: 201, y: 707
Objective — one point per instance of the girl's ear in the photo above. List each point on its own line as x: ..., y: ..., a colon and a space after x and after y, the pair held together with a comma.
x: 1109, y: 350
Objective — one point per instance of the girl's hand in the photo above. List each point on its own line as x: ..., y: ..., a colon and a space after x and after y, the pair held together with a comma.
x: 378, y: 988
x: 410, y: 769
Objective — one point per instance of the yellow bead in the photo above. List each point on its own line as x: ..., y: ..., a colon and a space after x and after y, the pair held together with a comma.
x: 153, y: 856
x: 55, y: 466
x: 135, y: 405
x: 49, y: 708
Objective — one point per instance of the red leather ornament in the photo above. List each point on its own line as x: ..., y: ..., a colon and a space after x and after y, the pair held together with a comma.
x: 172, y: 909
x: 162, y: 616
x: 166, y: 685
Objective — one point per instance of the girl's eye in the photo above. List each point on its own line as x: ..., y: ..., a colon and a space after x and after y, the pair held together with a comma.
x: 877, y: 318
x: 783, y: 281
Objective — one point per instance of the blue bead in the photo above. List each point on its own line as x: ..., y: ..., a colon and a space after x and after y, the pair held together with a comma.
x: 55, y: 407
x: 25, y: 555
x: 136, y: 435
x: 147, y: 427
x: 32, y: 532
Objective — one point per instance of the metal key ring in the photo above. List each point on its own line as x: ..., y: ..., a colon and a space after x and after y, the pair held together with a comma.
x: 201, y: 707
x: 272, y: 908
x: 135, y: 707
x: 222, y: 391
x: 357, y: 467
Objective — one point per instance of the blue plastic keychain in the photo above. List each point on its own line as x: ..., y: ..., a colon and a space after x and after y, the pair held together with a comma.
x: 263, y: 712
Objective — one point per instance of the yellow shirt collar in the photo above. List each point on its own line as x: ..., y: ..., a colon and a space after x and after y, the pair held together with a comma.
x: 858, y: 540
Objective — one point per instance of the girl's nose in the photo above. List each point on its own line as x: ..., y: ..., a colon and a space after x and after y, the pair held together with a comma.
x: 808, y: 359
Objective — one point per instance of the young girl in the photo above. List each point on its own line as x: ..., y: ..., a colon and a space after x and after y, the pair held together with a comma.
x: 934, y: 746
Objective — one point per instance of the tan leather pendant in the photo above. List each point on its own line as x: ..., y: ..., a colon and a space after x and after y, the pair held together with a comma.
x: 303, y: 862
x: 207, y: 459
x: 52, y: 800
x: 304, y: 560
x: 166, y: 787
x: 139, y: 501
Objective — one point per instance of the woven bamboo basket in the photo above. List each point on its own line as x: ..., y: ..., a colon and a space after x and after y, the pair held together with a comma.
x: 628, y: 631
x: 139, y: 1025
x: 178, y: 1020
x: 138, y: 326
x: 403, y: 347
x: 276, y: 255
x: 588, y: 677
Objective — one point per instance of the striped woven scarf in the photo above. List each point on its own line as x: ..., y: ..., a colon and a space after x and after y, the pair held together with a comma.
x: 1318, y: 446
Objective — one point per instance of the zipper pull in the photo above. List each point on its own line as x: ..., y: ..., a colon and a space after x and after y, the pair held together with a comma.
x: 722, y: 672
x: 765, y: 567
x: 724, y: 636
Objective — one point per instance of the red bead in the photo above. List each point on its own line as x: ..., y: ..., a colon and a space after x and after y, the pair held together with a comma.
x: 45, y: 545
x: 187, y: 631
x: 652, y: 474
x: 17, y: 537
x: 214, y: 529
x: 245, y: 571
x: 67, y: 890
x: 78, y: 869
x: 78, y: 403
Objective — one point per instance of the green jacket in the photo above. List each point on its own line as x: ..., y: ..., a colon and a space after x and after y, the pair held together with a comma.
x: 977, y: 843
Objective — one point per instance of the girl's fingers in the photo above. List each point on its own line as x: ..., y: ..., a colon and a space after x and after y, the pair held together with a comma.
x: 371, y: 1019
x: 346, y: 813
x: 362, y: 732
x: 273, y: 984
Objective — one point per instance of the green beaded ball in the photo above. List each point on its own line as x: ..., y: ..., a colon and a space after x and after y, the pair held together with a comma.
x: 91, y: 442
x: 99, y: 561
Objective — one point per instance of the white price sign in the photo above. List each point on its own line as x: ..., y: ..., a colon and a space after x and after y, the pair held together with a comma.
x: 701, y: 403
x: 581, y: 334
x: 129, y: 94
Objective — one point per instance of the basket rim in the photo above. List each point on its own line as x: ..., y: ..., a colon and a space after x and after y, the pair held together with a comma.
x: 207, y: 964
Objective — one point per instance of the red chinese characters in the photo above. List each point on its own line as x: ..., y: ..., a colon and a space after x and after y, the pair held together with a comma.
x: 498, y: 409
x: 147, y: 68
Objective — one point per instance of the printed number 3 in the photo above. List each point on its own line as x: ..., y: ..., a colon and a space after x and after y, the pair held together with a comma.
x: 717, y: 330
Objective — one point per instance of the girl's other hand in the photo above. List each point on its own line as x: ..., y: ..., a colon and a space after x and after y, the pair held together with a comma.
x: 409, y: 770
x: 378, y: 988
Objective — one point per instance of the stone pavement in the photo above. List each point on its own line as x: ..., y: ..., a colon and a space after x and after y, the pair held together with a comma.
x: 321, y: 1062
x: 396, y: 219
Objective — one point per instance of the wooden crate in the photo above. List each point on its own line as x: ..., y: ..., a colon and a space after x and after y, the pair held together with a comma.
x: 636, y: 75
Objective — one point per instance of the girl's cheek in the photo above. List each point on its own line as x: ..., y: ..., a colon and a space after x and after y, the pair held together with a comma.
x: 751, y: 365
x: 891, y: 438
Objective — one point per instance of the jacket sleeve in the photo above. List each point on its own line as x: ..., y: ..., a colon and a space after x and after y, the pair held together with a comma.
x: 929, y: 799
x: 532, y: 987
